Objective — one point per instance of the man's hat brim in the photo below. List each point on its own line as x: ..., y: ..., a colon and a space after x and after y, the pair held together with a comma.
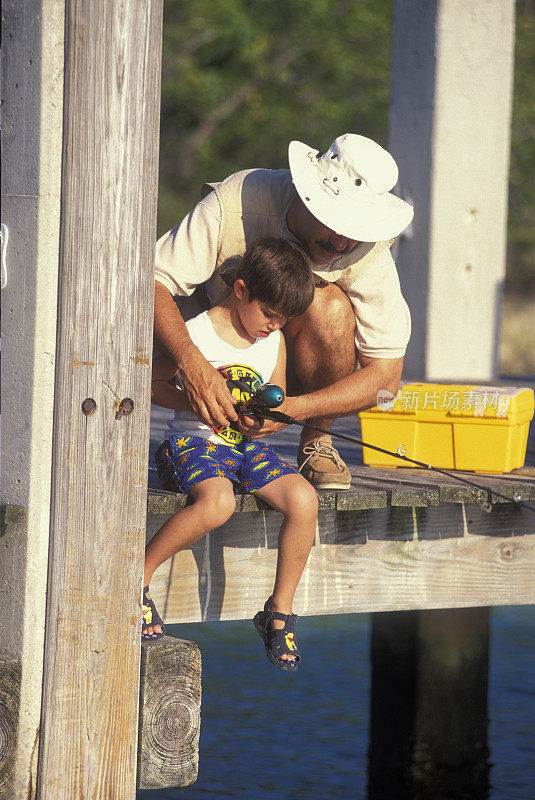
x: 358, y: 214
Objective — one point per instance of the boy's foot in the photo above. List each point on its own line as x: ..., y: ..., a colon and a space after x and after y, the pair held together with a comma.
x: 152, y: 626
x: 277, y: 633
x: 320, y: 463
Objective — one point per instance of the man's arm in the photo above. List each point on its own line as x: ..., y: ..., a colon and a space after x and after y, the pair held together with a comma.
x: 168, y: 396
x: 355, y: 392
x: 185, y: 257
x: 278, y: 376
x: 205, y: 388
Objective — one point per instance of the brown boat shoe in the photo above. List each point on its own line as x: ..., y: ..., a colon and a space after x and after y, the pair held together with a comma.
x: 320, y: 463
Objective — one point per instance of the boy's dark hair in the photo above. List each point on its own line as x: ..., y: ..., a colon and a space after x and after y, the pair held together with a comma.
x: 277, y: 272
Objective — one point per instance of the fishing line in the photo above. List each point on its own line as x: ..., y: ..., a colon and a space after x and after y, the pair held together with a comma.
x: 266, y: 397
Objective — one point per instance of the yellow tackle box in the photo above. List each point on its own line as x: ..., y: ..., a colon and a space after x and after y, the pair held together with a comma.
x: 479, y: 428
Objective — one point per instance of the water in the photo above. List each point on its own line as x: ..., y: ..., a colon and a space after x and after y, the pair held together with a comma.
x: 268, y: 735
x: 512, y: 703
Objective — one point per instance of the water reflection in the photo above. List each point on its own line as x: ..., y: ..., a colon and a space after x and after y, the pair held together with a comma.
x: 274, y: 736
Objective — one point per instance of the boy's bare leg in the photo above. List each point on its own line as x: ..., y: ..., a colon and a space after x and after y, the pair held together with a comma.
x: 214, y: 503
x: 298, y: 501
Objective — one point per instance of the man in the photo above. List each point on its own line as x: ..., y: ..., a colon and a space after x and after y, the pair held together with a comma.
x: 339, y: 207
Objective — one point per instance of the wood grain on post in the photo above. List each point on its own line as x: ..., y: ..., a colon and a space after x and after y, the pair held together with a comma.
x: 32, y: 56
x: 169, y: 714
x: 10, y: 679
x: 108, y: 213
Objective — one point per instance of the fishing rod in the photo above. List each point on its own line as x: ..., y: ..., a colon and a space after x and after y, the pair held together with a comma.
x: 262, y: 402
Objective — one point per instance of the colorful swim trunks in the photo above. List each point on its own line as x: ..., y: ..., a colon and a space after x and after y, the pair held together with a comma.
x: 183, y: 461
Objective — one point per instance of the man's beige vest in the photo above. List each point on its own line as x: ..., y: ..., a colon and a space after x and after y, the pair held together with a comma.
x: 256, y: 206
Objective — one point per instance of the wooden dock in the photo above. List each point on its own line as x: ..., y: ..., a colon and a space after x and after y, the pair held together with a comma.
x: 400, y: 539
x: 429, y: 556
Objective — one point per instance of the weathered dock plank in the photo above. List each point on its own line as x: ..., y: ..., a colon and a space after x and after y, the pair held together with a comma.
x: 448, y: 489
x: 161, y: 502
x: 446, y: 556
x: 406, y: 492
x: 376, y: 488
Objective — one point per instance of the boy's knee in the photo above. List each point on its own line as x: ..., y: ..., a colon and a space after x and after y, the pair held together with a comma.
x: 304, y: 500
x: 220, y: 507
x: 224, y: 505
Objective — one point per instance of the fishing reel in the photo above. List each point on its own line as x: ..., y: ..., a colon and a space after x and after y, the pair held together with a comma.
x: 265, y: 397
x: 268, y: 395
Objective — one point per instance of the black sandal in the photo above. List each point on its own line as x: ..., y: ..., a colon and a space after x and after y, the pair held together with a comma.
x: 150, y: 617
x: 278, y: 641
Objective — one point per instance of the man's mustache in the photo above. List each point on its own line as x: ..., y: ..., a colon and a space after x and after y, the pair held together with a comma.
x: 326, y: 245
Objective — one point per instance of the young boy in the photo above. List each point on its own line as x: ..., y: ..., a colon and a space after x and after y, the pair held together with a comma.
x: 241, y: 338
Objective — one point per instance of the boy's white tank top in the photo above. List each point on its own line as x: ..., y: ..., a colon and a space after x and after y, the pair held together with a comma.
x: 253, y: 365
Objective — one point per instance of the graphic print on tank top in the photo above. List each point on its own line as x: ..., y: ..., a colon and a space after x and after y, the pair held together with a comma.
x: 247, y: 375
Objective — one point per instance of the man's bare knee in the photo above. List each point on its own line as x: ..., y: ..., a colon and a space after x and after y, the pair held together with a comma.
x: 321, y: 343
x: 329, y: 298
x: 329, y: 313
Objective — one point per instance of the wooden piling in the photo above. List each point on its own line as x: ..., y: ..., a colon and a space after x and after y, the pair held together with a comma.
x: 428, y: 709
x: 169, y: 714
x: 32, y: 116
x: 452, y: 71
x: 101, y: 413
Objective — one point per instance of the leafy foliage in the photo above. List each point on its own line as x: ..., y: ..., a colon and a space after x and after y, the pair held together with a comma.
x: 242, y: 78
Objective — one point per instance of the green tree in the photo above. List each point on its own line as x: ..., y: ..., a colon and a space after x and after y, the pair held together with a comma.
x: 241, y: 78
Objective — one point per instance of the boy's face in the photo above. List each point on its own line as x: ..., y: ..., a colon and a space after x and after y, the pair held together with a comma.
x: 258, y: 319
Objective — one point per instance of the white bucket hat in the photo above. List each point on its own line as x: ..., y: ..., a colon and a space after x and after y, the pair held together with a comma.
x: 348, y: 188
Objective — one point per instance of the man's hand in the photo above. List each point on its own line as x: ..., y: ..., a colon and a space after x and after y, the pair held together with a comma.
x: 252, y: 427
x: 207, y: 391
x: 205, y: 388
